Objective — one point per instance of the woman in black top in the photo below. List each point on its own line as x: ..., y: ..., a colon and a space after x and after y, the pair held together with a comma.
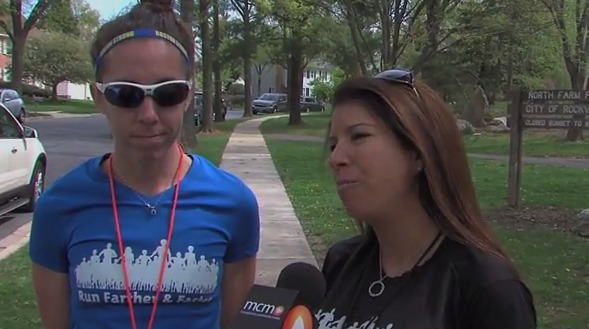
x: 426, y: 259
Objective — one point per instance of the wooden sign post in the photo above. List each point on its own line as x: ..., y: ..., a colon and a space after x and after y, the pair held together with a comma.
x: 541, y: 109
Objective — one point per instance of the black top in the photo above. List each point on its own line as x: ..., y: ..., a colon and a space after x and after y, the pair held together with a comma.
x: 459, y: 287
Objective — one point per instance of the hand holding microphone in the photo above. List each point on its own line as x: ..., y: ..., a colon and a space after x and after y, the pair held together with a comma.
x: 299, y: 291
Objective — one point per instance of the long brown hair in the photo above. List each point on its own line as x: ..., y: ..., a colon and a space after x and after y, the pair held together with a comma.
x: 424, y: 123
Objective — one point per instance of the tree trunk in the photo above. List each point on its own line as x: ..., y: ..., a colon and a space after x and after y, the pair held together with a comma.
x: 208, y: 125
x: 295, y: 77
x: 54, y: 91
x: 18, y: 34
x: 575, y: 133
x: 188, y: 136
x: 17, y: 65
x: 247, y: 59
x: 216, y: 43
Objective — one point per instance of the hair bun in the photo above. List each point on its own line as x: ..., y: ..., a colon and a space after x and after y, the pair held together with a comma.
x: 159, y: 5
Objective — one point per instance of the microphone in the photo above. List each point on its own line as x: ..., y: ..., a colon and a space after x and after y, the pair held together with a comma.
x: 299, y: 291
x: 307, y: 280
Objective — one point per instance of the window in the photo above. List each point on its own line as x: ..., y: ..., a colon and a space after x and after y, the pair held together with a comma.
x: 307, y: 91
x: 8, y: 127
x: 308, y: 74
x: 282, y: 99
x: 7, y: 47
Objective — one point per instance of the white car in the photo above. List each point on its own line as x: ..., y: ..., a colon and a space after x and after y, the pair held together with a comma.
x: 23, y: 162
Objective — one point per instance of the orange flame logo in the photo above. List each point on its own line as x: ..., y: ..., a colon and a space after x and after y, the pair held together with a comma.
x: 298, y: 318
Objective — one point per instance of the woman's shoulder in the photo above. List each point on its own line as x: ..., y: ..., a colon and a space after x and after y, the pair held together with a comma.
x: 344, y: 248
x: 476, y: 269
x: 209, y: 175
x: 338, y: 255
x: 490, y: 288
x: 203, y: 170
x: 205, y: 177
x: 471, y: 259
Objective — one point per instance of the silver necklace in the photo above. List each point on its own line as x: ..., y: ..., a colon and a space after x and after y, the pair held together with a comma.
x: 377, y: 287
x: 151, y: 207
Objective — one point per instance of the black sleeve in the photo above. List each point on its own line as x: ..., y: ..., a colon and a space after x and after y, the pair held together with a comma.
x: 336, y: 259
x: 329, y: 268
x: 506, y: 304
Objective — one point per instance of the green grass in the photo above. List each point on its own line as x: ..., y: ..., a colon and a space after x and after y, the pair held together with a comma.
x: 556, y: 264
x: 65, y: 106
x: 535, y: 143
x: 18, y: 309
x: 313, y: 125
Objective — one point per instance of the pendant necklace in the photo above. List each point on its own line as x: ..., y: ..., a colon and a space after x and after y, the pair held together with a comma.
x: 152, y: 208
x: 377, y: 287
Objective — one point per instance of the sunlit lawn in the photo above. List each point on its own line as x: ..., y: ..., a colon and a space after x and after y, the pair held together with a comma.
x: 65, y: 106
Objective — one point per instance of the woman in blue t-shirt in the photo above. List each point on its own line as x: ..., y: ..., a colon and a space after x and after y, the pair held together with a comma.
x: 148, y: 235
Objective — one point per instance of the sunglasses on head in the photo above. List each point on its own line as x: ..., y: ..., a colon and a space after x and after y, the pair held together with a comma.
x: 131, y: 95
x: 398, y: 76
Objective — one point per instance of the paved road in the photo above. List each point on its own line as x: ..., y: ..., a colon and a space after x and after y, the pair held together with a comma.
x: 69, y: 141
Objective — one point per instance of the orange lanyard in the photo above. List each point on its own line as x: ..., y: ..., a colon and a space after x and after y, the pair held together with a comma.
x: 115, y: 213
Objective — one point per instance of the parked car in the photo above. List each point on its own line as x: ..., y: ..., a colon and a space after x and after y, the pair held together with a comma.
x: 23, y: 162
x: 15, y: 104
x: 269, y: 103
x: 311, y: 104
x: 198, y: 108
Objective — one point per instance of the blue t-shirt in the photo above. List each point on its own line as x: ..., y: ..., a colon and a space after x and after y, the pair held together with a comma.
x: 73, y: 232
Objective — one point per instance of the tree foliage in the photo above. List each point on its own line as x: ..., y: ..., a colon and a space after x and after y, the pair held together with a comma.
x: 54, y: 57
x: 60, y: 18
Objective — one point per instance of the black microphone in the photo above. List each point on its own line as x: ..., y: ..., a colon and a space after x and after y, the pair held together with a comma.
x: 307, y: 280
x: 299, y: 291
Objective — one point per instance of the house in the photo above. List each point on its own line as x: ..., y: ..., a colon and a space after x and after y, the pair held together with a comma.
x: 268, y: 78
x: 272, y: 78
x: 69, y: 90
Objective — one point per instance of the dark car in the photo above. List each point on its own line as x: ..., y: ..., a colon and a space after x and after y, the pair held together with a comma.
x: 311, y: 104
x: 269, y: 103
x: 198, y: 108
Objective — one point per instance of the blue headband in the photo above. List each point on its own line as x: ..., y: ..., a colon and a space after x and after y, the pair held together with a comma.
x: 139, y: 33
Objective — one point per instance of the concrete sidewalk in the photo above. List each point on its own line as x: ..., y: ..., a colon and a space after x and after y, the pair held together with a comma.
x: 282, y: 239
